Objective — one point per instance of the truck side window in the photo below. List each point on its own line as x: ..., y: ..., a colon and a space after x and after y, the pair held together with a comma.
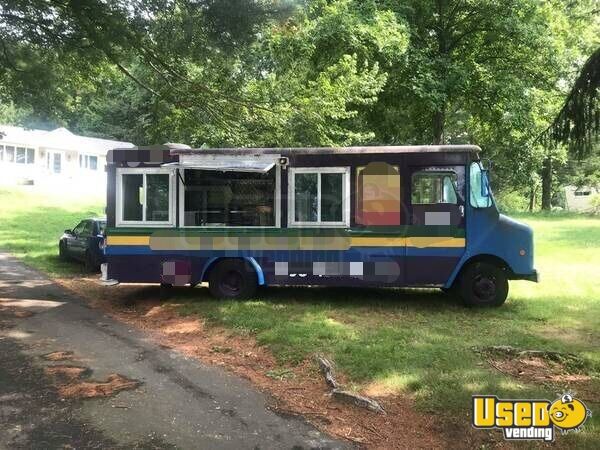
x: 319, y: 196
x: 430, y: 188
x: 145, y: 196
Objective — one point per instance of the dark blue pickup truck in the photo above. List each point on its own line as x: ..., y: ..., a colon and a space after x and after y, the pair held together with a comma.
x: 84, y: 243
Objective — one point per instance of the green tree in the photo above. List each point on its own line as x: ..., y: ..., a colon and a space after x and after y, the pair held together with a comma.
x: 487, y: 72
x: 320, y: 71
x: 55, y: 53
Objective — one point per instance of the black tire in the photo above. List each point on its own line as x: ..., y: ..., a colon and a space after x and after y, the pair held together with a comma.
x: 452, y: 291
x: 232, y: 278
x: 62, y: 251
x: 165, y: 291
x: 483, y: 284
x: 91, y: 265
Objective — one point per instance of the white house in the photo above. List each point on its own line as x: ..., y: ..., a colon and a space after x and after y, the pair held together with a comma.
x: 580, y: 198
x: 57, y: 158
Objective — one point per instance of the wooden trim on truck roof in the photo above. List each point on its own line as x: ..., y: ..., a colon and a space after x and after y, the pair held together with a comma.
x: 285, y: 151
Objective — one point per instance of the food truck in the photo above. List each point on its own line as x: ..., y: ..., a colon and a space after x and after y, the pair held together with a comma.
x: 239, y: 218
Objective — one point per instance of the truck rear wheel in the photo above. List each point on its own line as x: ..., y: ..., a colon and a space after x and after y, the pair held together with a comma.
x: 483, y: 284
x: 232, y: 278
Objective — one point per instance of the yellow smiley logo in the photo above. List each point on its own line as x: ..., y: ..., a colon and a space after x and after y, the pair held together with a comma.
x: 568, y: 413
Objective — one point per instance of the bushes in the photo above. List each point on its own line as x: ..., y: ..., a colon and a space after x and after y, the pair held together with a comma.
x: 595, y: 203
x: 512, y: 201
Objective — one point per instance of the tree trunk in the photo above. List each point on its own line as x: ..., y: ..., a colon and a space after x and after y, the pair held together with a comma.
x: 439, y: 119
x: 547, y: 184
x: 532, y: 194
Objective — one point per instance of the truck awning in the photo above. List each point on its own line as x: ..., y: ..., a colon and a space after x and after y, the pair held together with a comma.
x: 225, y: 164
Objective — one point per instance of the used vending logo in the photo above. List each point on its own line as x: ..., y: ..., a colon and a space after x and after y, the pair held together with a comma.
x: 529, y: 419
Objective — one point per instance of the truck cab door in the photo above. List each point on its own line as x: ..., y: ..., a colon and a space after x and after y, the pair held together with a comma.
x: 436, y: 232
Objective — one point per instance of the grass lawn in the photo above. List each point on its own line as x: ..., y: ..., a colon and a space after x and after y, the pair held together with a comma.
x: 31, y: 224
x: 386, y: 340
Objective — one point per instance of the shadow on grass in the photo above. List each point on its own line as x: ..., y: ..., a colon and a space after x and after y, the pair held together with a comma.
x: 389, y: 340
x: 347, y: 297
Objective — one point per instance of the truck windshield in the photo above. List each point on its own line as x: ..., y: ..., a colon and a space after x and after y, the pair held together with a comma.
x: 480, y: 191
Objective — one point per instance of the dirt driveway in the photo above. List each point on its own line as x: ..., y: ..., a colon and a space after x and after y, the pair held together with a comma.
x: 72, y: 376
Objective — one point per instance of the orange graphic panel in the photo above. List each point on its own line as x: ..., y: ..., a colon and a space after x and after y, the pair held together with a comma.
x: 378, y: 194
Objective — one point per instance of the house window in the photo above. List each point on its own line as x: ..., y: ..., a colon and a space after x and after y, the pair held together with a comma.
x: 229, y: 198
x: 145, y: 196
x: 429, y: 188
x: 9, y: 154
x: 582, y: 193
x: 89, y: 162
x: 1, y: 152
x: 21, y: 155
x: 25, y: 155
x: 319, y: 196
x: 378, y: 195
x: 56, y: 162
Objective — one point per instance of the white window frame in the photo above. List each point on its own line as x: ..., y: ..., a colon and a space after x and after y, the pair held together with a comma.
x: 277, y: 199
x: 119, y: 199
x: 50, y: 161
x: 26, y: 150
x: 84, y: 162
x: 292, y: 171
x: 14, y: 149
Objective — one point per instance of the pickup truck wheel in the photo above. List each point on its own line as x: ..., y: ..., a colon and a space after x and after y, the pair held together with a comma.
x: 232, y: 278
x: 483, y: 284
x: 91, y: 265
x: 62, y: 251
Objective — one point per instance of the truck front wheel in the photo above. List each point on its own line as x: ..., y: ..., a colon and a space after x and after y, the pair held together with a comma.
x: 483, y: 284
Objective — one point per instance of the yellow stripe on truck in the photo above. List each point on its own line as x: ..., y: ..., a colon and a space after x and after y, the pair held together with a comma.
x: 296, y: 243
x: 435, y: 241
x: 378, y: 242
x: 128, y: 240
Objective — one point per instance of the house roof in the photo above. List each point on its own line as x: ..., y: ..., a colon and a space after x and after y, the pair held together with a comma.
x: 60, y: 139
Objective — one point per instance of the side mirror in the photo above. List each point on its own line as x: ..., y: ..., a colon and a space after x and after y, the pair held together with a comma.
x: 68, y: 231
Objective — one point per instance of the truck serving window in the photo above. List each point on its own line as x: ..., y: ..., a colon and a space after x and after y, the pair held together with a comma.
x: 145, y: 196
x: 229, y: 198
x: 319, y: 196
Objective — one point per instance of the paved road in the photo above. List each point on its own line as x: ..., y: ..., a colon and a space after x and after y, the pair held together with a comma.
x: 180, y: 404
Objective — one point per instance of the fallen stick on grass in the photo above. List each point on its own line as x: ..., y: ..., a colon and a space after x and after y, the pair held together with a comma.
x: 350, y: 397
